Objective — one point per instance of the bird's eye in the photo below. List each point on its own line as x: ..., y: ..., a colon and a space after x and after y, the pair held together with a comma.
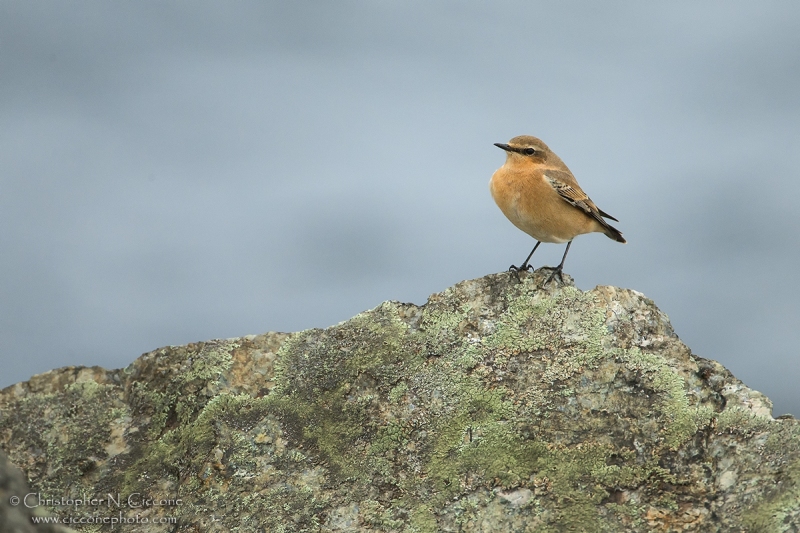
x: 530, y: 151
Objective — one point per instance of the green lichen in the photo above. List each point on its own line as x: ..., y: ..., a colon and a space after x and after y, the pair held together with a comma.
x: 379, y: 516
x: 740, y: 420
x: 441, y: 329
x: 422, y: 520
x: 180, y: 413
x: 397, y: 393
x: 681, y: 419
x: 568, y: 324
x: 780, y: 509
x: 71, y: 430
x: 178, y: 401
x: 329, y: 386
x: 477, y: 440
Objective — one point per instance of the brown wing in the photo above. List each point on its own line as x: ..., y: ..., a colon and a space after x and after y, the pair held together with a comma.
x: 566, y: 187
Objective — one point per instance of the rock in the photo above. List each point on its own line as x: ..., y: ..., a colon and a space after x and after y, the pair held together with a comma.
x: 17, y: 513
x: 496, y: 406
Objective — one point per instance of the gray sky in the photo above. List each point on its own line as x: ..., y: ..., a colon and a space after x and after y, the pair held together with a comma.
x: 175, y: 172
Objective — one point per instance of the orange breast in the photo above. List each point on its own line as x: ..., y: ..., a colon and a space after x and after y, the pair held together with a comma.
x: 532, y: 205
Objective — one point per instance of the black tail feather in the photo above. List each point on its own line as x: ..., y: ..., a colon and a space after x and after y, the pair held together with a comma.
x: 613, y: 233
x: 606, y: 215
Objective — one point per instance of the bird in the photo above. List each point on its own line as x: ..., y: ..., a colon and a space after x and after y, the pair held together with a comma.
x: 539, y: 195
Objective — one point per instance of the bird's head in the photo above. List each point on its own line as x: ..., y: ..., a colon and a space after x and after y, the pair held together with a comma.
x: 526, y: 148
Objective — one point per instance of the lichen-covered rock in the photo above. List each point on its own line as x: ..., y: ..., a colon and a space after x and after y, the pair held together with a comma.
x: 498, y: 405
x: 17, y: 513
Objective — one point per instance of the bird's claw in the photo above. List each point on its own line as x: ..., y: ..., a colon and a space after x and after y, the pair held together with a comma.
x: 523, y: 268
x: 515, y: 270
x: 556, y: 271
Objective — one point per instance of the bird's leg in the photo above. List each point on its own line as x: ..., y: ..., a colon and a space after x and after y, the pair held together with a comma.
x: 525, y: 266
x: 559, y: 268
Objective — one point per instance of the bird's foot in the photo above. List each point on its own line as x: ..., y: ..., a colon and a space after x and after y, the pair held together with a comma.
x: 515, y: 270
x: 556, y: 271
x: 524, y: 268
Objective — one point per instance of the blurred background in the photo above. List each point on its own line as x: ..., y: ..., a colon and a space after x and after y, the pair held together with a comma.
x: 173, y: 172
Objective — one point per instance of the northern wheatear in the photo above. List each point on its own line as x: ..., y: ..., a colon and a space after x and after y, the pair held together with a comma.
x: 536, y: 191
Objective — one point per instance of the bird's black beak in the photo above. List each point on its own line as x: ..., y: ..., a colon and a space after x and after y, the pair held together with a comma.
x: 505, y: 147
